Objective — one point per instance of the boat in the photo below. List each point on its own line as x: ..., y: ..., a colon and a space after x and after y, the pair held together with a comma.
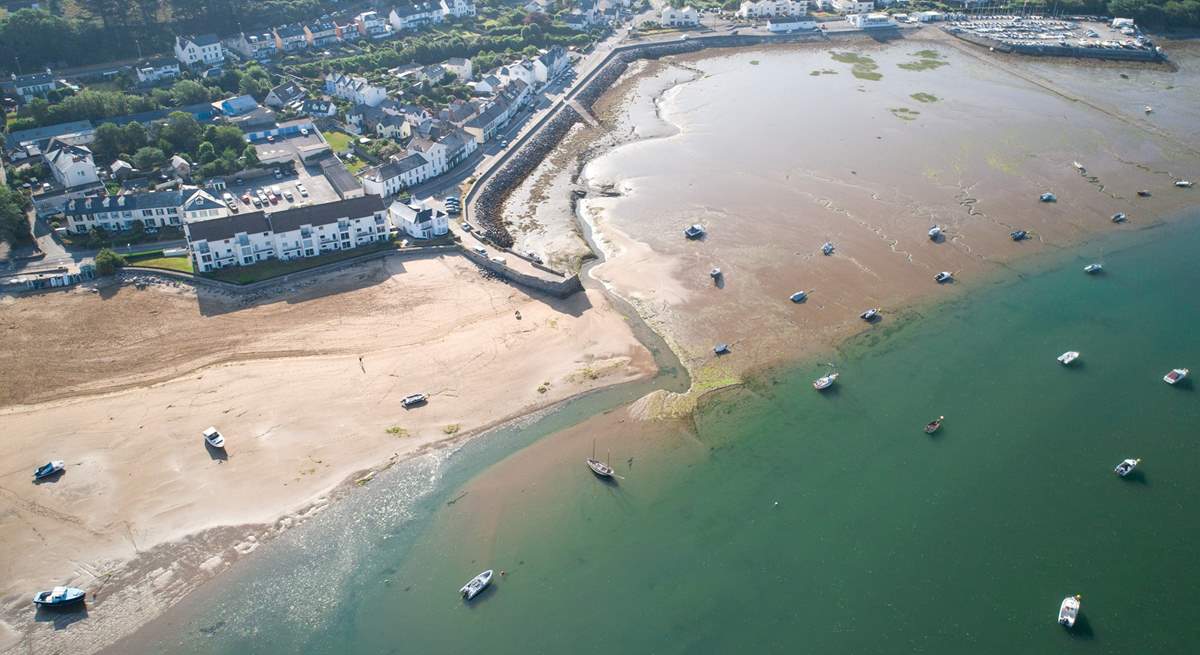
x: 1183, y: 184
x: 414, y: 399
x: 1079, y: 167
x: 476, y: 585
x: 825, y: 381
x: 1068, y: 357
x: 1143, y: 193
x: 1126, y: 467
x: 714, y: 273
x: 935, y: 233
x: 934, y: 426
x: 694, y: 231
x: 721, y: 349
x: 1176, y: 375
x: 870, y: 314
x: 51, y: 468
x: 1118, y: 217
x: 1093, y: 268
x: 1069, y: 610
x: 944, y: 276
x: 1148, y: 109
x: 214, y: 438
x: 598, y: 467
x: 1048, y: 197
x: 1018, y: 235
x: 799, y: 296
x: 827, y: 248
x: 59, y: 597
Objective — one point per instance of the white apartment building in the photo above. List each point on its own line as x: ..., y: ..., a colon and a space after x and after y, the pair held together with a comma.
x: 71, y: 165
x: 672, y: 17
x: 773, y: 8
x: 870, y: 21
x: 204, y: 49
x: 458, y: 8
x: 786, y: 24
x: 155, y: 210
x: 400, y: 173
x: 155, y: 70
x: 418, y: 221
x: 415, y: 15
x: 853, y: 6
x: 355, y: 89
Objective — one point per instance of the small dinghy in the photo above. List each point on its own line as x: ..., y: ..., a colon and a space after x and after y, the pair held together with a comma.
x: 414, y: 399
x: 934, y: 426
x: 1126, y: 467
x: 944, y: 276
x: 1018, y: 235
x: 1148, y: 109
x: 1049, y: 197
x: 870, y: 314
x: 694, y: 231
x: 1119, y: 217
x: 1143, y: 193
x: 935, y: 233
x: 1176, y: 375
x: 1183, y: 184
x: 476, y: 585
x: 1093, y: 268
x: 1069, y: 610
x: 799, y: 296
x: 825, y: 381
x: 827, y: 248
x: 59, y: 597
x: 721, y: 349
x: 1068, y: 357
x: 1079, y: 167
x: 214, y: 438
x: 715, y: 274
x: 49, y: 469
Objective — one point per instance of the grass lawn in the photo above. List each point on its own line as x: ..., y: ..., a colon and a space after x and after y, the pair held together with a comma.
x: 274, y: 267
x: 180, y: 264
x: 355, y: 166
x: 339, y: 141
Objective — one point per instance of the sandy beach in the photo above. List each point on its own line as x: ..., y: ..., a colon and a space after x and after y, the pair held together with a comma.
x: 306, y: 387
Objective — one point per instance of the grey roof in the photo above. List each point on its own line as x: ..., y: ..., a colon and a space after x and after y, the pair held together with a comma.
x: 289, y: 31
x: 323, y: 24
x: 287, y: 92
x: 200, y: 39
x: 490, y: 114
x: 339, y: 178
x: 30, y: 79
x: 15, y: 139
x: 217, y: 229
x: 152, y: 200
x: 416, y: 8
x: 397, y: 168
x: 324, y: 213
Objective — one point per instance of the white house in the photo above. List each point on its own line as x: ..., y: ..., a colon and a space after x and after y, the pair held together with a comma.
x: 156, y: 70
x: 461, y: 67
x: 260, y: 47
x: 555, y: 61
x: 29, y: 86
x: 155, y: 210
x: 415, y: 15
x: 402, y: 172
x: 785, y: 24
x: 355, y: 89
x: 285, y: 94
x: 418, y: 221
x: 686, y: 17
x: 870, y: 21
x: 853, y: 6
x: 204, y: 49
x: 245, y: 239
x: 773, y: 8
x: 373, y: 26
x: 458, y: 8
x: 71, y: 165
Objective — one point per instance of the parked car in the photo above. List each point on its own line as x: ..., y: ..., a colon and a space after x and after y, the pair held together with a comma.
x: 245, y: 198
x: 288, y: 195
x: 257, y: 203
x: 303, y: 191
x: 304, y: 131
x: 480, y: 250
x: 278, y: 174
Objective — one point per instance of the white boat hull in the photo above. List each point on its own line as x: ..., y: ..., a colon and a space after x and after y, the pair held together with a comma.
x: 476, y: 585
x: 1069, y: 611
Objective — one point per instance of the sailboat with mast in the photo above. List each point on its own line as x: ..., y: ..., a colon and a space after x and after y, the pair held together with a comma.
x: 601, y: 469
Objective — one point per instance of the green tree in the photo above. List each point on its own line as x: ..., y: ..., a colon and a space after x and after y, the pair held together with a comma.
x: 189, y: 92
x: 14, y: 225
x: 133, y: 137
x: 206, y: 152
x: 182, y: 131
x: 147, y: 159
x: 249, y: 156
x: 109, y: 143
x: 108, y: 261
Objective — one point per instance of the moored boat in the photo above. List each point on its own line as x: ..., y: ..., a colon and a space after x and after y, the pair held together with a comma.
x: 1068, y: 357
x: 214, y: 438
x: 1148, y: 109
x: 825, y: 381
x: 1018, y: 235
x: 1126, y: 467
x: 476, y: 585
x: 827, y: 248
x: 1119, y: 217
x: 694, y: 231
x: 1093, y: 268
x: 721, y: 349
x: 935, y: 233
x: 1176, y: 375
x: 714, y: 273
x: 934, y: 426
x: 599, y: 468
x: 1144, y: 193
x: 59, y: 597
x: 870, y: 314
x: 1048, y: 197
x: 799, y: 296
x: 1069, y: 610
x: 944, y: 276
x: 51, y: 468
x: 1183, y: 184
x: 414, y: 399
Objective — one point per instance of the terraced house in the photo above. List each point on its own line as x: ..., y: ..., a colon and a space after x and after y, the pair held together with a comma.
x: 245, y: 239
x: 155, y: 210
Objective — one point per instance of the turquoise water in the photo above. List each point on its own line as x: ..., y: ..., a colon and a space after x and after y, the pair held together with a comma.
x: 806, y: 522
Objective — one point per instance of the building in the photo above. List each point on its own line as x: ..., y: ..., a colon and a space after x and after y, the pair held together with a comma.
x: 290, y: 38
x: 870, y: 21
x: 458, y: 8
x: 245, y: 239
x: 202, y: 50
x: 415, y: 15
x: 355, y: 89
x: 76, y: 133
x: 180, y: 166
x: 155, y: 210
x: 418, y: 221
x: 372, y: 25
x: 402, y: 172
x: 284, y: 95
x: 784, y: 24
x: 853, y: 6
x: 71, y: 165
x: 928, y: 16
x: 28, y: 87
x: 772, y: 8
x: 120, y: 169
x: 672, y: 17
x: 257, y: 47
x: 462, y: 68
x: 555, y: 61
x: 318, y: 108
x: 236, y: 106
x: 156, y: 70
x: 321, y: 32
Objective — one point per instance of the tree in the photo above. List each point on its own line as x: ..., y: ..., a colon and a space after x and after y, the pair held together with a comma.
x: 148, y: 158
x: 109, y: 142
x: 182, y: 131
x: 134, y: 137
x: 249, y: 156
x: 206, y: 152
x: 189, y: 92
x: 107, y: 261
x: 14, y: 226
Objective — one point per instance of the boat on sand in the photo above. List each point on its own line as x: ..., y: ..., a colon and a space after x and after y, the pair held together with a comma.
x: 49, y: 469
x: 59, y: 597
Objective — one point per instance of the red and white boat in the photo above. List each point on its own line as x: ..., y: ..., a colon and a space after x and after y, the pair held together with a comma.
x: 825, y: 381
x: 1176, y: 375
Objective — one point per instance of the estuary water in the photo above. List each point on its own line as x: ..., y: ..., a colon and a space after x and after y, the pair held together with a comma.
x: 794, y: 521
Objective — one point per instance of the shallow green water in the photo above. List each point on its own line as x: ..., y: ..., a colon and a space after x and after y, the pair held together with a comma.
x: 884, y: 540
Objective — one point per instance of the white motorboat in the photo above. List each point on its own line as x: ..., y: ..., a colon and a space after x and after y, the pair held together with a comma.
x: 1093, y: 268
x: 1176, y: 375
x: 870, y: 314
x: 1126, y: 467
x: 49, y: 469
x: 1068, y: 357
x: 1048, y: 197
x: 1079, y: 167
x: 1069, y: 610
x: 58, y: 597
x: 694, y: 231
x: 414, y: 399
x: 827, y: 248
x: 476, y: 585
x: 1183, y: 184
x: 944, y: 276
x: 214, y: 438
x: 825, y: 381
x: 1148, y: 109
x: 799, y: 296
x: 1119, y: 217
x: 715, y: 273
x: 935, y: 232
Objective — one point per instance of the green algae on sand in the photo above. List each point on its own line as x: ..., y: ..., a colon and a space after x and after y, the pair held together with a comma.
x: 926, y: 60
x: 864, y: 67
x: 924, y: 97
